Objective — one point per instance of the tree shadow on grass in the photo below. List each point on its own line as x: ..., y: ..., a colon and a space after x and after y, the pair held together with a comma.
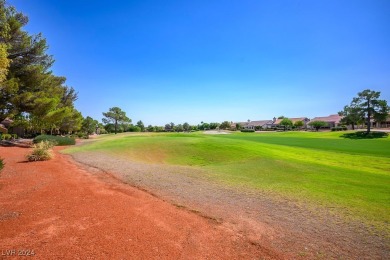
x: 364, y: 135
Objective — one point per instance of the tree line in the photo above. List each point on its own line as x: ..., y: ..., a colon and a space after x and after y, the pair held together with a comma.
x: 115, y: 120
x: 30, y: 94
x: 41, y: 102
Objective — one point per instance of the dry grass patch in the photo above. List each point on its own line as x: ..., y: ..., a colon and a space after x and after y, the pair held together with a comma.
x: 41, y: 151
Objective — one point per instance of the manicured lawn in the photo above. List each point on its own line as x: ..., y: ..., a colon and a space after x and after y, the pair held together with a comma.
x: 349, y: 176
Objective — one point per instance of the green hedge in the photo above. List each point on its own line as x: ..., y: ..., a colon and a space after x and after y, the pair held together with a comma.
x: 339, y: 128
x: 248, y: 130
x: 58, y: 140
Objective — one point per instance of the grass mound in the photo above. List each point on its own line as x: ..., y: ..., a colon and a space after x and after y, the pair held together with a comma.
x: 41, y: 152
x: 57, y: 140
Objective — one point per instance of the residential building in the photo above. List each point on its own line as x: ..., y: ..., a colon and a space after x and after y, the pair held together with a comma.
x: 332, y: 120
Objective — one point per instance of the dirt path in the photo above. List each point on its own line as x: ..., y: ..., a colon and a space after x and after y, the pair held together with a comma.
x: 59, y: 210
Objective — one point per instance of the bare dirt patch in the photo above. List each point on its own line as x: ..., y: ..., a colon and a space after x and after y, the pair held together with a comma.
x: 60, y: 210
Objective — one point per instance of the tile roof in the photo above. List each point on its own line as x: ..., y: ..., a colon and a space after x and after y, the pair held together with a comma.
x: 255, y: 123
x: 293, y: 119
x: 331, y: 118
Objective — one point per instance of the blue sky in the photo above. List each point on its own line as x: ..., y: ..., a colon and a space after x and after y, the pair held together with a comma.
x: 192, y: 61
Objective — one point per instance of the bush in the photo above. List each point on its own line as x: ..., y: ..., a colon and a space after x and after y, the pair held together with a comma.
x: 6, y: 137
x: 134, y: 128
x: 41, y: 152
x: 339, y: 128
x: 247, y: 130
x: 1, y: 164
x: 83, y: 135
x: 58, y: 140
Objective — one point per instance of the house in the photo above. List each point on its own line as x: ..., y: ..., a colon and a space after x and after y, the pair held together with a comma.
x: 305, y: 120
x: 331, y: 120
x: 259, y: 124
x: 383, y: 124
x: 276, y: 122
x: 254, y: 125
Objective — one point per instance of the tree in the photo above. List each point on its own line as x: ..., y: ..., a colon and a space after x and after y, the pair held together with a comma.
x: 214, y: 125
x: 317, y: 124
x: 151, y: 128
x: 159, y: 128
x: 299, y: 124
x: 186, y: 127
x: 286, y: 123
x: 238, y: 126
x: 4, y: 62
x: 134, y: 128
x: 179, y: 128
x: 203, y: 126
x: 352, y: 115
x: 370, y: 106
x: 141, y: 125
x: 71, y: 122
x: 225, y: 125
x: 28, y: 87
x: 168, y: 128
x: 116, y: 116
x: 89, y: 125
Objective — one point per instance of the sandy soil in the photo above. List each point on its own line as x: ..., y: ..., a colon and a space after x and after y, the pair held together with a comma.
x: 216, y: 132
x: 59, y: 210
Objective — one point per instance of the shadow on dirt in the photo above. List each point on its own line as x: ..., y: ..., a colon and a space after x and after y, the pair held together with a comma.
x: 364, y: 135
x: 16, y: 143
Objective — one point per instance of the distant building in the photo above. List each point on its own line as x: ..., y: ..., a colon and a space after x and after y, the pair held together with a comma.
x: 383, y: 124
x: 305, y: 121
x: 331, y: 120
x: 255, y: 124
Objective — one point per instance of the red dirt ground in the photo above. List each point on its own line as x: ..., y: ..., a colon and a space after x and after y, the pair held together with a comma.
x: 60, y: 210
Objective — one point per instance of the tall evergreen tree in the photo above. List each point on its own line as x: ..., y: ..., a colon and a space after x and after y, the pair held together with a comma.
x: 370, y: 106
x: 27, y: 87
x: 116, y: 116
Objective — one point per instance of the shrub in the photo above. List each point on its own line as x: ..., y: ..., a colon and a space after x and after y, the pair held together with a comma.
x: 1, y: 164
x: 41, y: 152
x: 6, y: 137
x: 58, y: 140
x: 83, y: 135
x: 339, y: 128
x: 247, y: 130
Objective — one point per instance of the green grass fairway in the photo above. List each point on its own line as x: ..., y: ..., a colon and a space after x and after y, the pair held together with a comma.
x: 348, y: 176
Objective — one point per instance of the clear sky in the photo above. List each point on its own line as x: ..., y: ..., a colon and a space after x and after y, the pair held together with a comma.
x: 216, y: 60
